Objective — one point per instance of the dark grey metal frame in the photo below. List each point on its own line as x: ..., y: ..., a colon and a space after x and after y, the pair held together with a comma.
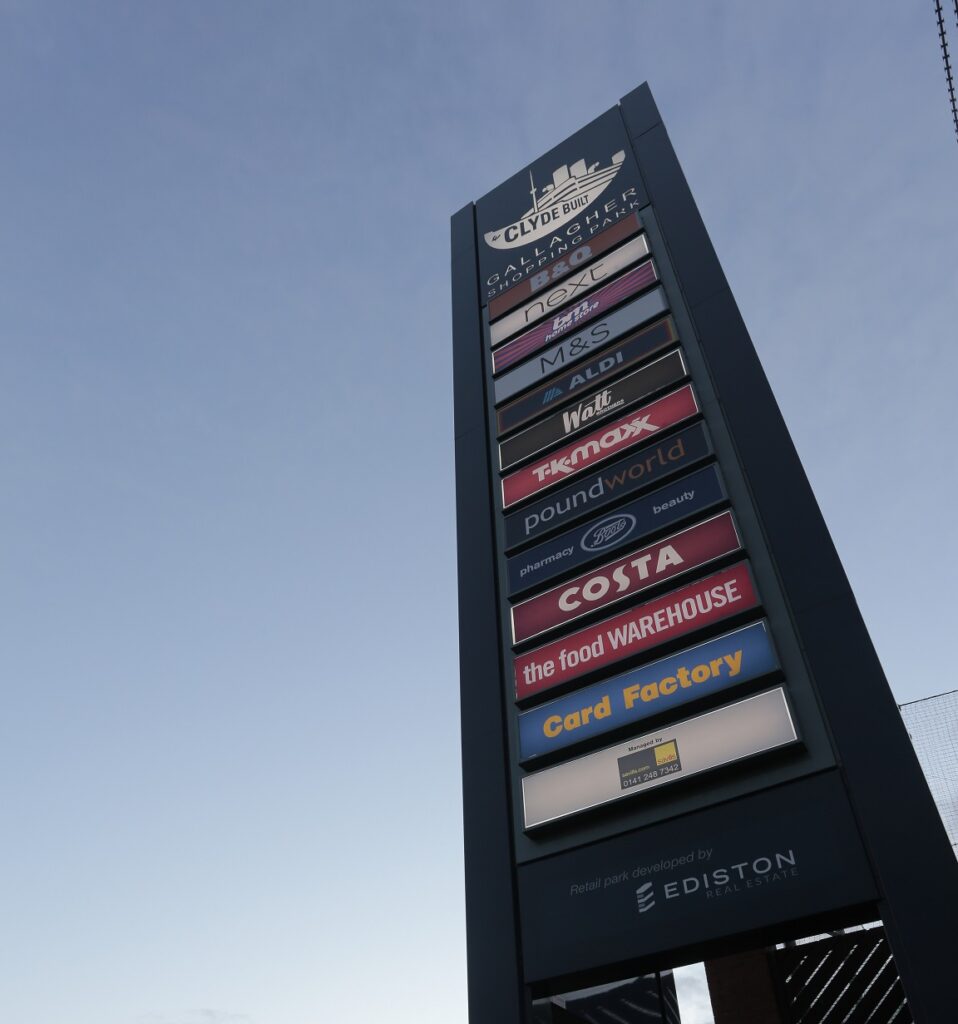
x: 917, y: 878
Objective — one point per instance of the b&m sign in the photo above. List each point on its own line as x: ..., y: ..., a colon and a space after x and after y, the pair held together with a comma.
x: 721, y: 664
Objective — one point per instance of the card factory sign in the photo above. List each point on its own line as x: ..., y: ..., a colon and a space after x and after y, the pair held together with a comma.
x: 700, y: 744
x: 723, y: 663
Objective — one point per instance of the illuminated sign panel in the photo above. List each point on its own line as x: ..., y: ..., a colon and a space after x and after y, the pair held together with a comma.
x: 600, y: 445
x: 626, y: 576
x: 590, y: 494
x: 637, y: 630
x: 581, y: 344
x: 564, y: 265
x: 628, y: 524
x: 717, y: 665
x: 592, y: 408
x: 574, y: 317
x: 700, y: 744
x: 574, y: 287
x: 611, y: 361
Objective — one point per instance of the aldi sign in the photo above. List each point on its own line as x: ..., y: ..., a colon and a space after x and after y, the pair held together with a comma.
x: 583, y: 343
x: 599, y: 405
x: 625, y: 354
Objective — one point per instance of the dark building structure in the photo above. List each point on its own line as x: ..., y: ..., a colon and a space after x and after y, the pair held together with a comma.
x: 678, y: 743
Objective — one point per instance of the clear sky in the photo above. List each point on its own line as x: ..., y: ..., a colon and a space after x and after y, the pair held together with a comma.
x: 229, y: 761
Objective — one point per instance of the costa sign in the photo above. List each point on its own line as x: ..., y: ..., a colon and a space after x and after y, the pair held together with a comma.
x: 598, y: 405
x: 589, y: 495
x: 728, y: 734
x: 575, y: 286
x: 560, y: 268
x: 717, y: 665
x: 625, y: 432
x: 628, y: 524
x: 626, y: 576
x: 581, y: 344
x: 575, y: 316
x: 611, y: 361
x: 637, y: 630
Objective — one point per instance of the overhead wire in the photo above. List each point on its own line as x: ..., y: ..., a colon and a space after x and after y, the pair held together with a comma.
x: 949, y: 78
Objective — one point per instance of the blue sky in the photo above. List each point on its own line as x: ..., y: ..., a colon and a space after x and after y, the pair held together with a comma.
x: 229, y: 739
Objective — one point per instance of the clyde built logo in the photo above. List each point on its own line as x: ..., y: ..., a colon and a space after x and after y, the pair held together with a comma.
x: 572, y: 189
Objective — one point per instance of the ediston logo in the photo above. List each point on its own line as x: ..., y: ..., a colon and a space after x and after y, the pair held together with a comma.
x: 645, y: 897
x: 608, y: 531
x: 609, y: 295
x: 551, y: 395
x: 600, y: 445
x: 764, y: 870
x: 572, y: 189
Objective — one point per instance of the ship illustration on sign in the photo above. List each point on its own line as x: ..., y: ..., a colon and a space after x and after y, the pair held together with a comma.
x: 572, y: 189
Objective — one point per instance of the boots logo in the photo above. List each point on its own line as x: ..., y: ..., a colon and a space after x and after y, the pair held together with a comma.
x: 645, y: 897
x: 608, y: 531
x: 571, y: 190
